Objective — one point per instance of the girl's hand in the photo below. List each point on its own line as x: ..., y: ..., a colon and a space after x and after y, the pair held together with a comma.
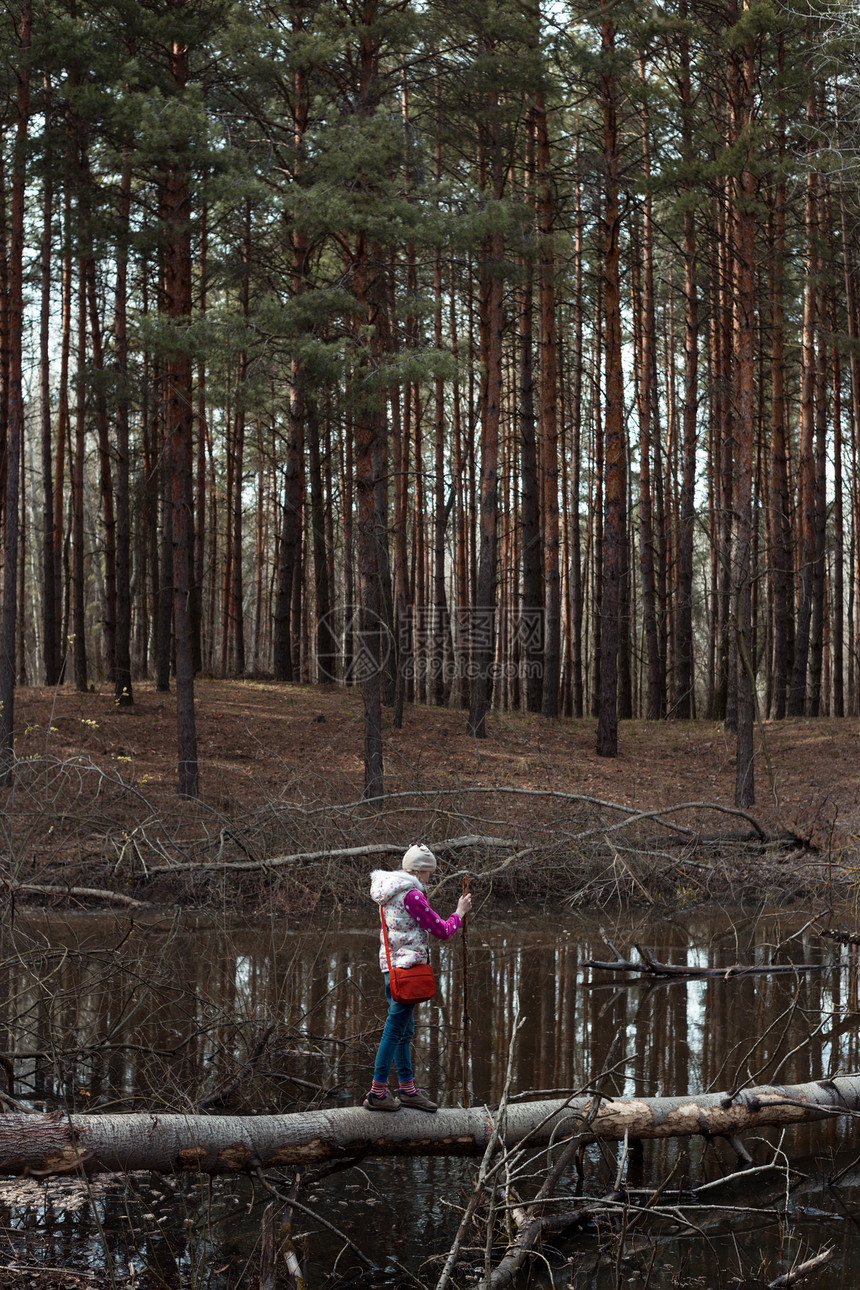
x: 464, y: 904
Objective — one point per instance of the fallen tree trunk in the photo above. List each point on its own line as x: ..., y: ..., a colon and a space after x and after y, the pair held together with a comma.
x: 41, y: 1145
x: 649, y: 965
x: 343, y: 853
x: 96, y: 893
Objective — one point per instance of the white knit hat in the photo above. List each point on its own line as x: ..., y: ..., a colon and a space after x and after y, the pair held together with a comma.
x: 418, y: 857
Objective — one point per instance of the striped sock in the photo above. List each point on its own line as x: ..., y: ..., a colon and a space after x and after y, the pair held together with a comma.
x: 408, y: 1086
x: 379, y: 1087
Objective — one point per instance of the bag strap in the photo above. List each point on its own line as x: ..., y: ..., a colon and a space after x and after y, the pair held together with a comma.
x: 385, y: 938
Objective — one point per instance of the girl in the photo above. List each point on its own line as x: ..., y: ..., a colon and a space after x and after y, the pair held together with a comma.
x: 409, y: 920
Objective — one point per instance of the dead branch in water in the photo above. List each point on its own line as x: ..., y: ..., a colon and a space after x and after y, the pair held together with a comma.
x: 530, y: 1224
x: 649, y: 965
x: 802, y: 1270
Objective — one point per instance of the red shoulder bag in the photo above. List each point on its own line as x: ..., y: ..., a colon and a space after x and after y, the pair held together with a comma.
x: 408, y: 985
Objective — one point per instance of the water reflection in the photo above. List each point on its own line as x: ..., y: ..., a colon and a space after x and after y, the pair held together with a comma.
x: 100, y: 1013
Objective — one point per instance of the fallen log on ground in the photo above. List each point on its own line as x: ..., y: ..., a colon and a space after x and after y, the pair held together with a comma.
x: 95, y: 893
x: 341, y: 853
x: 41, y: 1145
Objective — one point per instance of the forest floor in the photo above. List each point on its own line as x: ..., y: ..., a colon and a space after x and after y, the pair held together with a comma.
x: 281, y: 773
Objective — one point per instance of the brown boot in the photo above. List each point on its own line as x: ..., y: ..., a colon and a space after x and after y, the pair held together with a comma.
x: 418, y: 1100
x: 375, y: 1102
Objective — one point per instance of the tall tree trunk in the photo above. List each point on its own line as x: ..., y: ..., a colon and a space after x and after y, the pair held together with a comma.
x: 727, y: 642
x: 78, y: 613
x: 742, y: 77
x: 648, y: 428
x: 291, y: 527
x: 50, y: 626
x: 237, y: 530
x: 782, y: 554
x: 596, y: 511
x: 819, y: 576
x: 176, y: 205
x: 613, y: 535
x: 237, y: 591
x: 854, y: 420
x: 441, y: 622
x: 5, y: 337
x: 837, y: 646
x: 532, y: 611
x: 576, y: 589
x: 369, y: 289
x: 122, y: 676
x: 326, y: 649
x: 461, y: 502
x: 548, y: 413
x: 685, y: 674
x: 492, y: 321
x: 164, y: 552
x: 105, y: 473
x: 15, y: 437
x: 202, y: 641
x: 806, y: 456
x: 402, y: 598
x: 383, y: 559
x: 63, y: 440
x: 21, y: 620
x: 368, y: 429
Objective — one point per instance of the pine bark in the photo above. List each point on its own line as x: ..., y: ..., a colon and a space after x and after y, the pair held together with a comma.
x: 50, y: 627
x: 838, y: 614
x: 441, y: 511
x: 15, y: 438
x: 614, y: 535
x: 326, y: 645
x: 78, y: 613
x: 548, y: 410
x: 15, y: 433
x: 806, y: 445
x: 780, y: 535
x: 744, y: 194
x: 122, y: 648
x: 648, y: 429
x: 176, y: 205
x: 530, y: 519
x: 289, y: 548
x: 491, y: 312
x: 105, y: 472
x: 577, y: 679
x: 369, y: 291
x: 61, y: 610
x: 685, y: 674
x: 237, y: 591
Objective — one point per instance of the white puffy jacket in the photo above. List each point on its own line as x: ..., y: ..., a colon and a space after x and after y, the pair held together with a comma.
x: 406, y: 940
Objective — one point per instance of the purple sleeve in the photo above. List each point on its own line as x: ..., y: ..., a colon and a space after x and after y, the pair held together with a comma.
x: 416, y: 905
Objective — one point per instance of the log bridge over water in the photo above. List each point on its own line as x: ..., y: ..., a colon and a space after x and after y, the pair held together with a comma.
x: 43, y: 1145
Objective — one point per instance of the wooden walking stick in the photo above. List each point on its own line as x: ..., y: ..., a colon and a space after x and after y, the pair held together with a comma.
x: 465, y: 945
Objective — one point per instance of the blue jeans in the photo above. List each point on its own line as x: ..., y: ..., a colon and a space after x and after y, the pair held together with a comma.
x: 394, y: 1044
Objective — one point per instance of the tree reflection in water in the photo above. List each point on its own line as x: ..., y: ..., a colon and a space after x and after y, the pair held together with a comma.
x: 162, y: 1014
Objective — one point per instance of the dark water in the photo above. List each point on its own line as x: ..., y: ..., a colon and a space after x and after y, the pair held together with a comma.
x: 101, y: 1014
